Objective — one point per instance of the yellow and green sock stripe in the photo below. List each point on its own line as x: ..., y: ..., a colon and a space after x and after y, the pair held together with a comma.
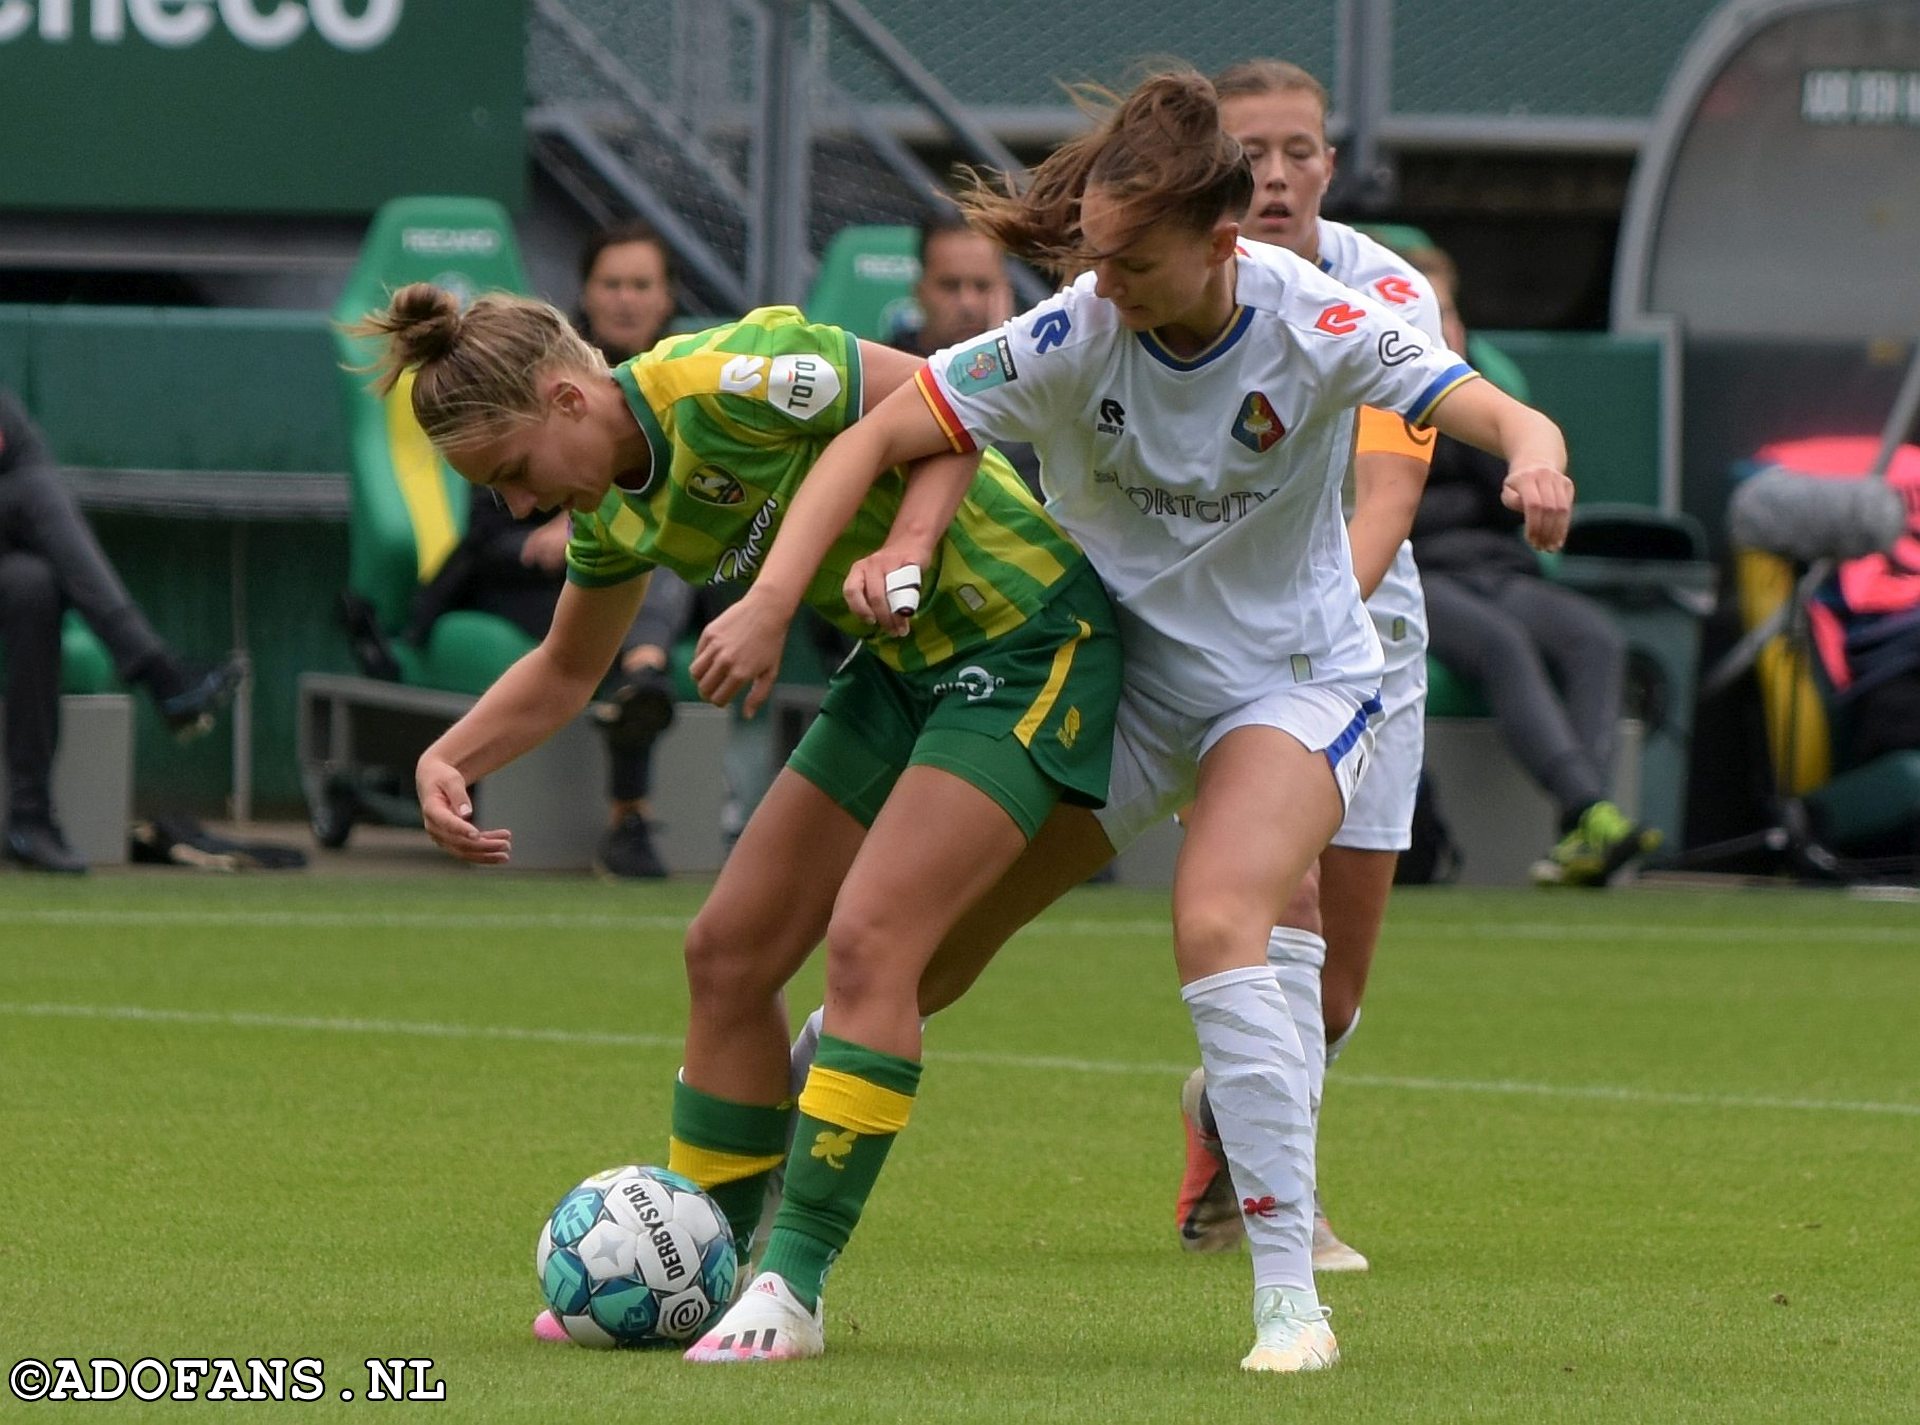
x: 855, y: 1102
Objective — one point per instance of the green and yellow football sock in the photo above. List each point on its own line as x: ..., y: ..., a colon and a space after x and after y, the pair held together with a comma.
x: 729, y: 1150
x: 854, y: 1102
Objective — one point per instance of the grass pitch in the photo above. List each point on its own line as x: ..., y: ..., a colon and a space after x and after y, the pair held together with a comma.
x: 1634, y: 1156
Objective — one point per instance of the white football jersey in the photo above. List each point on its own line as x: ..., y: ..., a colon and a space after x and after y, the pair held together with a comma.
x: 1398, y: 606
x: 1206, y: 489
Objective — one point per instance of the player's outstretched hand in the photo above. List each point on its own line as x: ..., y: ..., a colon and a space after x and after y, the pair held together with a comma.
x: 447, y: 811
x: 740, y: 649
x: 1543, y: 496
x: 884, y: 589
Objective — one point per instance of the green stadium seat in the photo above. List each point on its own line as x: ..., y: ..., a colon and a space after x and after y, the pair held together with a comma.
x: 408, y: 507
x: 85, y: 665
x: 866, y: 278
x: 268, y: 364
x: 1494, y: 364
x: 1401, y: 237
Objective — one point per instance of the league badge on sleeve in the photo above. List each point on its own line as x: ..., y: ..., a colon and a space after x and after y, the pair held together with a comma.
x: 1257, y: 427
x: 981, y: 368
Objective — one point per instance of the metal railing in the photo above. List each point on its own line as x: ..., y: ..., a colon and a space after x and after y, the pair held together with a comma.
x: 748, y: 131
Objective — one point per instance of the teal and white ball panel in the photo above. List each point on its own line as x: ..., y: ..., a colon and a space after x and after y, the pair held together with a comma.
x: 626, y: 1309
x: 607, y: 1251
x: 635, y: 1256
x: 585, y: 1331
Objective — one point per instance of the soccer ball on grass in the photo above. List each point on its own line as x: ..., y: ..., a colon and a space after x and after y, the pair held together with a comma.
x: 635, y: 1257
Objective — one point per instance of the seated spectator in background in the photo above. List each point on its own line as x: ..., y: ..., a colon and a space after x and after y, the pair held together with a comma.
x: 963, y: 291
x: 515, y: 568
x: 51, y: 562
x: 1549, y: 661
x: 963, y: 288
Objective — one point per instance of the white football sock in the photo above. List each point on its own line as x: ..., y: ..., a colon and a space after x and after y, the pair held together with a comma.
x: 1257, y: 1085
x: 1335, y: 1047
x: 1296, y: 956
x: 806, y: 1044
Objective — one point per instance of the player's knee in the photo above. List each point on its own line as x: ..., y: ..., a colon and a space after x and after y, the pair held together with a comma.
x: 867, y: 958
x: 1209, y: 937
x: 725, y: 964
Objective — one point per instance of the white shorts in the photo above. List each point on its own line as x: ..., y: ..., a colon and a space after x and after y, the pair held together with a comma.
x: 1380, y: 811
x: 1157, y: 751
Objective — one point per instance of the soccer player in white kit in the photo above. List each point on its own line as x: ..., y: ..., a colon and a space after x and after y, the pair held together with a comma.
x: 1186, y: 395
x: 1323, y: 947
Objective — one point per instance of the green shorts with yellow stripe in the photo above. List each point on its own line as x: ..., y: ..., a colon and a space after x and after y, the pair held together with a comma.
x: 1027, y: 718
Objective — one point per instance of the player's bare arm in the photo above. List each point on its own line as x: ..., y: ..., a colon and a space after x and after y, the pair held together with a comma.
x: 532, y: 700
x: 741, y: 648
x: 1537, y: 486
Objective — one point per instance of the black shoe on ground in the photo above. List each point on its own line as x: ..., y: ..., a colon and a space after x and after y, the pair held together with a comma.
x: 39, y: 846
x: 638, y: 707
x: 190, y: 695
x: 627, y: 851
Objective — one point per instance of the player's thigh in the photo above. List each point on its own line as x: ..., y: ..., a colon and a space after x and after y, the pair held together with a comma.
x: 1263, y: 809
x: 1070, y: 847
x: 771, y: 903
x: 939, y: 843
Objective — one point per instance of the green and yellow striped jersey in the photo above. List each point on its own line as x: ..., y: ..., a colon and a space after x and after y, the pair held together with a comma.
x: 734, y: 418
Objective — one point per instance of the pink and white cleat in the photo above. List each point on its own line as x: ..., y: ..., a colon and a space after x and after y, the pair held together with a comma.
x: 766, y: 1323
x: 547, y: 1327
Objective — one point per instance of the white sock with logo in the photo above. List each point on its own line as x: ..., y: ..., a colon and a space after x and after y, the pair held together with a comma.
x: 1257, y: 1085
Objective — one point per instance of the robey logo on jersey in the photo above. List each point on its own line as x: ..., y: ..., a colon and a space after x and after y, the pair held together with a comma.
x: 1395, y: 348
x: 1397, y: 290
x: 1340, y: 319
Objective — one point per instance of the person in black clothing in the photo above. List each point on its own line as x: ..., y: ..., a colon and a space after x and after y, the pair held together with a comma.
x: 50, y: 562
x: 1550, y: 662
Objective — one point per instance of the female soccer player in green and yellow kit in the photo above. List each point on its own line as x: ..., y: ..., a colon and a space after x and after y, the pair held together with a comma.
x: 951, y: 743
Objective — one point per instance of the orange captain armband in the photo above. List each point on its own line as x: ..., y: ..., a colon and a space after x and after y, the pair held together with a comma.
x: 1384, y: 433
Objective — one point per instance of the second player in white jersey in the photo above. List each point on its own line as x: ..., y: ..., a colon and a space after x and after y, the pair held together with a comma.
x: 1380, y: 815
x: 1193, y: 480
x: 1226, y: 375
x: 1356, y: 260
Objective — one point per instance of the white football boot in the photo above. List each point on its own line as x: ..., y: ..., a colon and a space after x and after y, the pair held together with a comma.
x: 765, y: 1323
x: 1288, y: 1335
